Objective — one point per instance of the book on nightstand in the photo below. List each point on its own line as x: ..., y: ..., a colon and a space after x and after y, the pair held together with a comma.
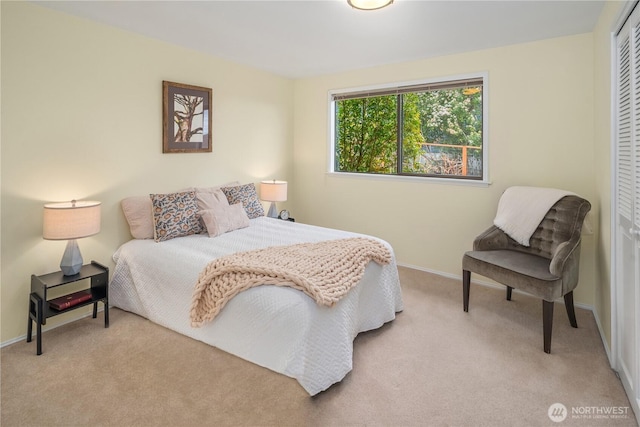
x: 69, y: 300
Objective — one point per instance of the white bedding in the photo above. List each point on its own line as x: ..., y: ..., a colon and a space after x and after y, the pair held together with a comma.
x: 279, y: 328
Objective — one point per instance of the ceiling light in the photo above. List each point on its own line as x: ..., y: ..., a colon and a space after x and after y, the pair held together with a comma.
x: 369, y: 4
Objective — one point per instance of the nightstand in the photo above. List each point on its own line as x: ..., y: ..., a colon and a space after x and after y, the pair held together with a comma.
x: 40, y: 308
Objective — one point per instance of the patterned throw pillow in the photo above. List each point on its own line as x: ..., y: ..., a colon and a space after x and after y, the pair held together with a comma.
x: 247, y: 195
x: 174, y: 215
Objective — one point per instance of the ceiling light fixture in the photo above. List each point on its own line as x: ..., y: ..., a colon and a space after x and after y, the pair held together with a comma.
x: 369, y: 4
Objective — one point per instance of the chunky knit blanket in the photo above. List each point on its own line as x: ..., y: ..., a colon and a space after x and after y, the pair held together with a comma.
x: 325, y: 271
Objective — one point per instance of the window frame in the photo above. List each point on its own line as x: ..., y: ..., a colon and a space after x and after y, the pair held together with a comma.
x: 402, y: 87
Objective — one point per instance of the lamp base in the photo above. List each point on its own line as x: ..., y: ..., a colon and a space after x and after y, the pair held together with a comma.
x: 71, y: 259
x: 273, y: 212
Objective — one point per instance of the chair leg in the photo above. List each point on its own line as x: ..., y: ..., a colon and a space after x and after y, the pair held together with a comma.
x: 568, y: 303
x: 466, y: 284
x: 547, y: 324
x: 509, y: 291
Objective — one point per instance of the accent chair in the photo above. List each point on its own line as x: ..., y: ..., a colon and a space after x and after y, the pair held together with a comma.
x: 547, y: 269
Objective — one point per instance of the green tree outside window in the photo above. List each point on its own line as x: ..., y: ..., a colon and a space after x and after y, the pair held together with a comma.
x: 435, y: 132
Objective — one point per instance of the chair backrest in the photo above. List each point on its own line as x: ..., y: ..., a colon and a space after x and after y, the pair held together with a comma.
x: 563, y: 222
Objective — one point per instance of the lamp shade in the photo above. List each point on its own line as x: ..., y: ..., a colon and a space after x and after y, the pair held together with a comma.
x: 71, y: 220
x: 273, y: 191
x: 369, y: 4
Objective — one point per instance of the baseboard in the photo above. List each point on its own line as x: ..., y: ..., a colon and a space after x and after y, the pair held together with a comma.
x: 456, y: 277
x: 45, y: 329
x: 495, y: 285
x: 607, y: 350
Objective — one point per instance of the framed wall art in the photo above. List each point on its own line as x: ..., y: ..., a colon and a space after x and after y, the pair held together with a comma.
x: 186, y: 118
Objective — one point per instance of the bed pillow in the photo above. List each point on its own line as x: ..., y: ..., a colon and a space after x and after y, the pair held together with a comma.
x: 211, y: 198
x: 247, y: 195
x: 209, y: 189
x: 215, y: 187
x: 219, y: 221
x: 175, y: 215
x: 137, y: 211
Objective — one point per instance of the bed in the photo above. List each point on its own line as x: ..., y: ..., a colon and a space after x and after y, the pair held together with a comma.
x: 277, y: 327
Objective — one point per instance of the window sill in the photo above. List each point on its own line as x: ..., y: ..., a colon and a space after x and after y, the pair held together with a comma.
x: 407, y: 178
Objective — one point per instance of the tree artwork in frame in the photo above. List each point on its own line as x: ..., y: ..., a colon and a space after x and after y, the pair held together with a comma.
x: 186, y: 118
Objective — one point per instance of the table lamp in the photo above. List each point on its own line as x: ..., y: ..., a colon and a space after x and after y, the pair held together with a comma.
x: 70, y: 221
x: 273, y: 191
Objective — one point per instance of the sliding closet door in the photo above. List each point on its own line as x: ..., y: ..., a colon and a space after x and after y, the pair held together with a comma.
x: 627, y: 210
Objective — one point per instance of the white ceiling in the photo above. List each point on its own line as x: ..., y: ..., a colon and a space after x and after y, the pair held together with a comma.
x: 301, y: 38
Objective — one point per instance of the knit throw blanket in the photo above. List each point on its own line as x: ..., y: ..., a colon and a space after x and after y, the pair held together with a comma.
x: 325, y: 271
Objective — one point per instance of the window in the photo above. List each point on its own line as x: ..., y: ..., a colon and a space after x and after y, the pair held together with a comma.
x: 426, y: 129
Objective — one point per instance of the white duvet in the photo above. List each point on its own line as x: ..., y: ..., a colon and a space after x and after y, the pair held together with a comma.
x: 279, y: 328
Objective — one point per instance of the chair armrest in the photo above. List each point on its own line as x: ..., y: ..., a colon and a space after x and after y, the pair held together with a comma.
x: 491, y: 239
x: 562, y: 253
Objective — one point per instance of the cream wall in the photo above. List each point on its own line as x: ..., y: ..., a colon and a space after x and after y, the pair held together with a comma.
x: 602, y: 151
x: 82, y: 118
x: 541, y: 133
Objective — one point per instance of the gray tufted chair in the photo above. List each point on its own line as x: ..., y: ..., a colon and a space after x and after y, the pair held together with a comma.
x: 547, y: 269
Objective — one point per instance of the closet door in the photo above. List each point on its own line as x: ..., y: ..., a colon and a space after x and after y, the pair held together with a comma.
x: 626, y: 284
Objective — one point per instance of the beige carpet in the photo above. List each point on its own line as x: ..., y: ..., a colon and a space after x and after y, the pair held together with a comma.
x: 433, y: 366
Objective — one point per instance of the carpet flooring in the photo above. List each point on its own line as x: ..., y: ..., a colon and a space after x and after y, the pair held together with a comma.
x: 433, y: 366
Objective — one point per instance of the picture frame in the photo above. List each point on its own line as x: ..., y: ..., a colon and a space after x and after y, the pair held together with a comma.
x: 186, y: 118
